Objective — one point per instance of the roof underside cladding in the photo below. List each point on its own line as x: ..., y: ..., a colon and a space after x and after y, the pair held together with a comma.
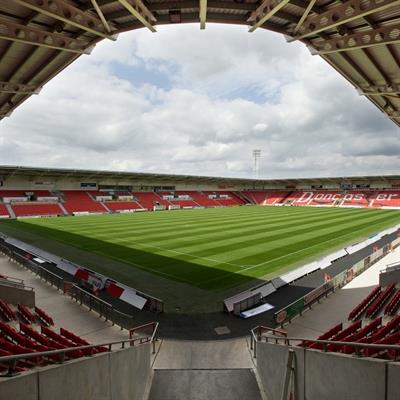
x: 9, y: 173
x: 359, y: 38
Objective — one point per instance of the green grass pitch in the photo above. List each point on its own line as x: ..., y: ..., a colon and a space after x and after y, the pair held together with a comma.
x: 213, y: 249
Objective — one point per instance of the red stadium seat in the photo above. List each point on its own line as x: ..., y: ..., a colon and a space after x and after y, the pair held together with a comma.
x: 44, y: 317
x: 374, y: 308
x: 7, y: 311
x: 357, y: 311
x: 80, y: 201
x: 32, y: 209
x: 26, y: 313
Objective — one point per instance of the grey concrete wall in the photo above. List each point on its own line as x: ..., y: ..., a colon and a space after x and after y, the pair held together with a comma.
x: 78, y: 380
x: 118, y: 375
x: 271, y: 366
x: 15, y: 295
x: 20, y: 387
x: 129, y: 373
x: 328, y: 376
x: 208, y: 384
x: 385, y: 278
x: 393, y: 390
x: 332, y: 376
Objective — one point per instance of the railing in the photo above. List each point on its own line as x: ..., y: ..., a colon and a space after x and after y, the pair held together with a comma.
x: 292, y: 341
x: 391, y: 267
x: 103, y: 308
x: 297, y: 307
x: 14, y: 282
x: 43, y: 273
x: 80, y: 295
x: 13, y: 360
x: 50, y: 277
x: 290, y: 311
x: 12, y: 279
x: 258, y: 332
x: 153, y: 304
x: 154, y: 329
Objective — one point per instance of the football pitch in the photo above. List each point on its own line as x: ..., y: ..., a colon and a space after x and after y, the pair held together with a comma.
x: 212, y: 249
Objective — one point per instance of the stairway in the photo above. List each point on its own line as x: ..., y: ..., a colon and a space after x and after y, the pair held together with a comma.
x: 242, y: 197
x: 10, y: 210
x: 59, y: 194
x: 204, y: 384
x: 105, y: 206
x: 283, y: 200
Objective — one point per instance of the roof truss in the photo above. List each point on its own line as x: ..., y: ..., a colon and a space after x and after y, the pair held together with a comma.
x: 304, y: 16
x: 67, y: 13
x: 140, y: 12
x: 203, y: 13
x: 101, y: 15
x: 26, y: 34
x: 359, y: 40
x: 264, y: 12
x: 20, y: 88
x: 341, y: 14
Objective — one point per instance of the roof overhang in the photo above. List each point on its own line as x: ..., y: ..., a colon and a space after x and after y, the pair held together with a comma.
x: 36, y: 173
x: 360, y: 39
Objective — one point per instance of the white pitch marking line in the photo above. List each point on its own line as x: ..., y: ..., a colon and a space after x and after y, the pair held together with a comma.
x: 298, y: 251
x: 181, y: 253
x: 277, y: 258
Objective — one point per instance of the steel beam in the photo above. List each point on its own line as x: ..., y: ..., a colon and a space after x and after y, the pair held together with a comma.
x: 18, y: 88
x: 5, y: 114
x: 203, y: 13
x: 67, y: 13
x: 341, y: 14
x: 265, y: 11
x: 140, y: 12
x: 395, y: 114
x: 373, y: 37
x: 101, y: 16
x: 388, y: 90
x: 26, y: 34
x: 304, y: 16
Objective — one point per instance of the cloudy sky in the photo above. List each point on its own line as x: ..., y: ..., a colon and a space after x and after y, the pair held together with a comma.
x: 187, y: 101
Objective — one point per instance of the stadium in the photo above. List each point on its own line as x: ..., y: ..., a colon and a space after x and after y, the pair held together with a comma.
x: 169, y: 286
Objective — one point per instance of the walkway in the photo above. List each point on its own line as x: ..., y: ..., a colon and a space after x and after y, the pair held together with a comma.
x: 337, y: 306
x: 65, y: 312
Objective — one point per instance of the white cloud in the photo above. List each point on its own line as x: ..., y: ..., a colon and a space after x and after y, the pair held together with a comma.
x: 231, y: 92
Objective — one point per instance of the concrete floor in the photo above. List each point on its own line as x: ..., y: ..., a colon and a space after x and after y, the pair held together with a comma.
x: 222, y: 354
x: 220, y: 384
x: 170, y: 354
x: 65, y: 312
x: 337, y: 306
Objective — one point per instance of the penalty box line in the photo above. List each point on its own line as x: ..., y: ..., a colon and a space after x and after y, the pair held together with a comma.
x: 299, y: 251
x: 185, y: 254
x: 278, y: 258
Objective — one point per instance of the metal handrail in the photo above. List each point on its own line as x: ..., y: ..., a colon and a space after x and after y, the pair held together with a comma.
x: 257, y: 332
x: 287, y: 339
x: 391, y: 267
x: 153, y: 337
x: 5, y: 282
x: 50, y: 273
x: 13, y: 359
x: 111, y: 311
x: 92, y: 296
x: 12, y: 279
x: 339, y: 343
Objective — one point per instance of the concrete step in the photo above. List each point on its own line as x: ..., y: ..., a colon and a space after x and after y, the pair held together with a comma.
x: 63, y: 208
x: 205, y: 384
x: 10, y: 210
